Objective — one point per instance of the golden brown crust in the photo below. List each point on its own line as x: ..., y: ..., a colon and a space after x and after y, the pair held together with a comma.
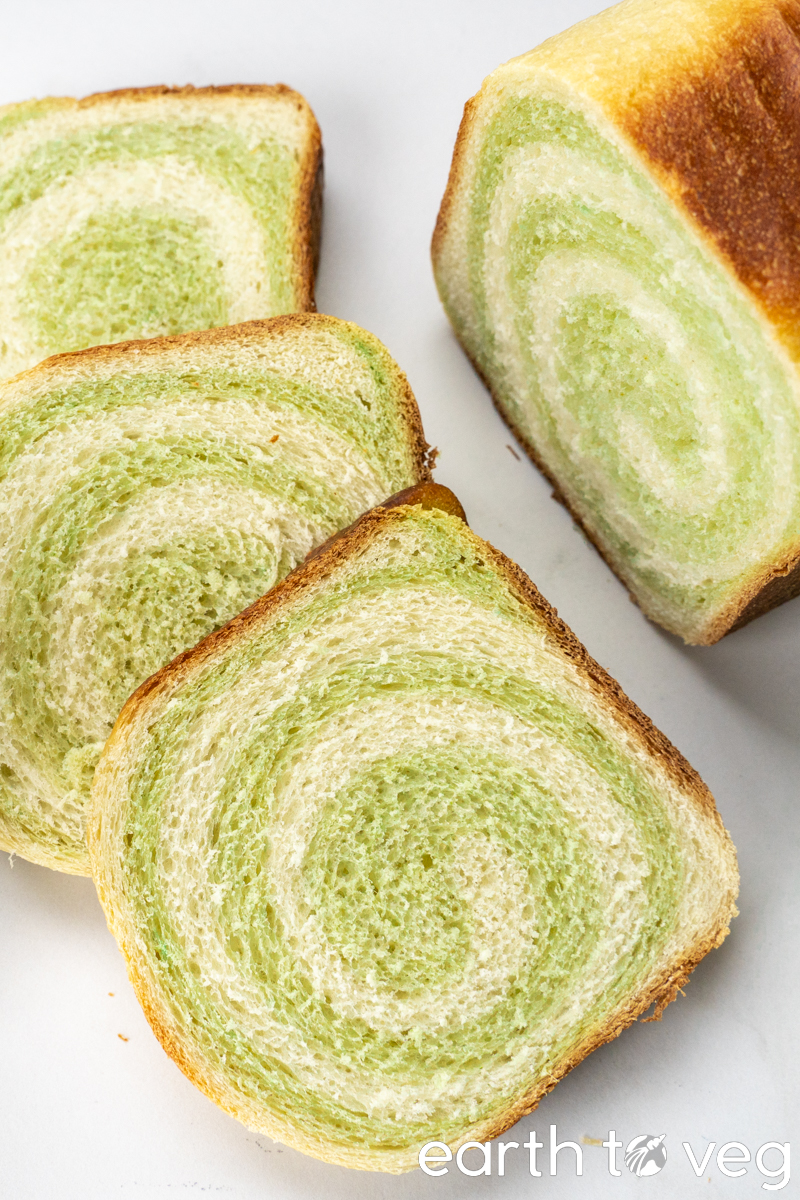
x: 723, y: 138
x: 309, y: 237
x: 443, y: 217
x: 308, y: 220
x: 423, y: 455
x: 658, y: 993
x: 153, y: 347
x: 225, y: 89
x: 426, y: 495
x: 318, y: 566
x: 782, y: 585
x: 605, y: 687
x: 322, y: 561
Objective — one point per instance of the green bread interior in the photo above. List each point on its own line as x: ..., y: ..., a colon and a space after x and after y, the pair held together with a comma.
x: 123, y: 274
x: 146, y: 272
x: 379, y: 870
x: 608, y: 362
x: 167, y: 593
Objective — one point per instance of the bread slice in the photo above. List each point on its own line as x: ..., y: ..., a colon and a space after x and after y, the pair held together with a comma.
x: 389, y: 854
x: 150, y: 491
x: 617, y: 250
x: 153, y: 211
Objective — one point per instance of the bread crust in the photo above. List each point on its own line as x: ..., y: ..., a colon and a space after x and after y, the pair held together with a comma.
x: 307, y: 218
x: 443, y: 217
x: 656, y: 993
x: 281, y: 90
x: 724, y: 141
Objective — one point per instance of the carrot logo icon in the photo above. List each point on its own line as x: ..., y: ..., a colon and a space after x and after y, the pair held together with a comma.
x: 646, y: 1155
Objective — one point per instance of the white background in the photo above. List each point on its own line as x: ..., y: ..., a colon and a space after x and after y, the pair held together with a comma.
x: 84, y: 1114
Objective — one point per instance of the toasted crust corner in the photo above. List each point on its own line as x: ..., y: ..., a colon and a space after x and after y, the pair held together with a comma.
x: 453, y: 178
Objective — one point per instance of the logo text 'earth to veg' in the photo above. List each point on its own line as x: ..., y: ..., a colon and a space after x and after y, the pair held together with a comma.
x: 645, y: 1154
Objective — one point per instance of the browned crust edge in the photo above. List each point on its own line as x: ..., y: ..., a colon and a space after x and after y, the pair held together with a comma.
x: 318, y: 566
x: 308, y: 212
x: 308, y: 243
x: 660, y: 992
x: 722, y: 135
x: 781, y: 584
x: 276, y: 90
x: 315, y: 567
x: 308, y: 219
x: 772, y: 586
x: 453, y: 180
x: 217, y: 335
x: 421, y: 454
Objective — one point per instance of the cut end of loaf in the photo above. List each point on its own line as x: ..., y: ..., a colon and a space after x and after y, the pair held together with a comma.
x: 598, y: 267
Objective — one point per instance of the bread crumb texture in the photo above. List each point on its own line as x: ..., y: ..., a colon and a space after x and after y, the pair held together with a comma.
x: 149, y: 493
x: 150, y: 212
x: 389, y: 854
x: 617, y: 251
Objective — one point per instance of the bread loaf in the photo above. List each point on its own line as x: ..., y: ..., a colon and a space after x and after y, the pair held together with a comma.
x: 618, y: 252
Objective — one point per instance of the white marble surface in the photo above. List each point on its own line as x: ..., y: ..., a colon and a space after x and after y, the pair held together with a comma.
x: 85, y: 1115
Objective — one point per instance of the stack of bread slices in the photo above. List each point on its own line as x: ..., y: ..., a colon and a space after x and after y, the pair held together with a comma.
x: 386, y: 851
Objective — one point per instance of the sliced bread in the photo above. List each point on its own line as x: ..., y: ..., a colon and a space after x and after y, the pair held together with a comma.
x: 150, y: 491
x: 389, y: 854
x: 153, y: 211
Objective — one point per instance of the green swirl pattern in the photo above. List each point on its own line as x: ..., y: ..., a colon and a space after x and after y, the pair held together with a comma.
x: 151, y: 213
x: 383, y: 861
x: 628, y: 360
x: 149, y: 496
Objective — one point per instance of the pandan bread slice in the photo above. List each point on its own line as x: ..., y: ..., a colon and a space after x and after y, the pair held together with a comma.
x: 389, y: 854
x: 149, y: 492
x: 153, y: 211
x: 617, y: 251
